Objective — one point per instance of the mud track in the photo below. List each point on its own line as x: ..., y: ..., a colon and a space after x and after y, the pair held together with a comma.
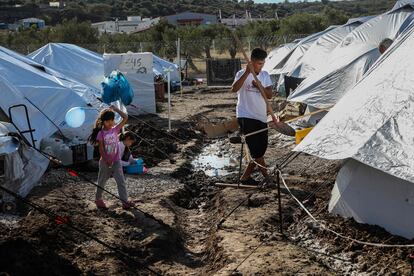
x: 190, y: 206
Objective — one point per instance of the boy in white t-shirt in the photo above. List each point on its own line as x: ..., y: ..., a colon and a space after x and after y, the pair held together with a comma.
x: 252, y: 111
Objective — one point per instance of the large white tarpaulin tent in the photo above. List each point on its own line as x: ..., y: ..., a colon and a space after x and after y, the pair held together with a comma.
x: 300, y: 49
x: 350, y: 59
x: 320, y: 50
x: 45, y: 97
x: 276, y: 57
x: 73, y: 61
x: 88, y: 93
x: 373, y: 127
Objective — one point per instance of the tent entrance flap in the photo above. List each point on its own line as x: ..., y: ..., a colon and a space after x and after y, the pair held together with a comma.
x: 30, y: 130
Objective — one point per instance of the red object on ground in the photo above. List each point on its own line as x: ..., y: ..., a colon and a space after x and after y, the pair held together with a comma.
x: 61, y: 220
x: 72, y: 173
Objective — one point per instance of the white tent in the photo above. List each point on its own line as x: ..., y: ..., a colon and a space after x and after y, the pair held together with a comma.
x: 350, y: 60
x: 276, y: 57
x: 297, y: 53
x: 21, y: 167
x: 83, y: 65
x: 320, y: 50
x: 88, y: 93
x: 45, y: 97
x: 73, y: 61
x: 160, y: 65
x: 373, y: 126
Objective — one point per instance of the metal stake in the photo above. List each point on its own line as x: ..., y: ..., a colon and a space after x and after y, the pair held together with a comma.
x: 280, y: 202
x: 240, y: 164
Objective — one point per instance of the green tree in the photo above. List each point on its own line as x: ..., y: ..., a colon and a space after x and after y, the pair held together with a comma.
x: 301, y: 23
x: 70, y: 31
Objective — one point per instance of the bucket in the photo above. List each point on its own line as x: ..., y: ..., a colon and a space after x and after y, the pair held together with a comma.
x: 301, y: 134
x: 137, y: 168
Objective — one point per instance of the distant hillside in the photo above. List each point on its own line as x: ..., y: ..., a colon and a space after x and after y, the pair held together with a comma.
x: 98, y: 10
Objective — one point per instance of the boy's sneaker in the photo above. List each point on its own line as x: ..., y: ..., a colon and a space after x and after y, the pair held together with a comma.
x: 128, y: 205
x: 100, y: 204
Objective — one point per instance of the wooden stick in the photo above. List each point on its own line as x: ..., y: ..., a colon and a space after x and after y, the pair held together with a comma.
x: 305, y: 115
x: 229, y: 185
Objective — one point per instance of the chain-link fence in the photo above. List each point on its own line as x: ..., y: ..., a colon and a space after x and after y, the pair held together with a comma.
x: 193, y: 54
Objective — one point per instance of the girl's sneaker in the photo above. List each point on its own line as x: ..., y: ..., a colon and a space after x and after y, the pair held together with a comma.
x: 100, y: 204
x: 127, y: 205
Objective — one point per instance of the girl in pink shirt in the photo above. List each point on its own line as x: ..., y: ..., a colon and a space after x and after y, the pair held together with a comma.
x: 105, y: 133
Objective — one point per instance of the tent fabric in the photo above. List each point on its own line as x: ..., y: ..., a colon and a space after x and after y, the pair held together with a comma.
x: 161, y: 64
x: 349, y: 60
x: 402, y: 3
x: 23, y: 165
x: 300, y: 49
x: 374, y: 197
x: 86, y: 66
x: 88, y: 93
x: 44, y: 95
x: 320, y: 50
x: 276, y: 57
x: 373, y: 122
x: 73, y: 61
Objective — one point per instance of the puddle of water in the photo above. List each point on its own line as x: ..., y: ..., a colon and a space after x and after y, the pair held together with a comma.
x: 214, y: 160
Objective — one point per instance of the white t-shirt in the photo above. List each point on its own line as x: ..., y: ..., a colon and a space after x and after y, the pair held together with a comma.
x: 250, y: 103
x: 121, y: 153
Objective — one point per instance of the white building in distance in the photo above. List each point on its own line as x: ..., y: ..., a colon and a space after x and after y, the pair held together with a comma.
x: 133, y: 24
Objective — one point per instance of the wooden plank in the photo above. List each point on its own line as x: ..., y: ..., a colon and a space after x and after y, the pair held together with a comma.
x: 231, y: 185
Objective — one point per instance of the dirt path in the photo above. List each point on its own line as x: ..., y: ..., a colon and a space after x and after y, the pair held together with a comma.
x: 185, y: 199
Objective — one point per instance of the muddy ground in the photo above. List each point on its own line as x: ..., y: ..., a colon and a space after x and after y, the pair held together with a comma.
x: 184, y: 238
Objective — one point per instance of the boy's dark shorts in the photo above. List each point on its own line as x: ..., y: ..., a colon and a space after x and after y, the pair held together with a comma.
x: 257, y: 143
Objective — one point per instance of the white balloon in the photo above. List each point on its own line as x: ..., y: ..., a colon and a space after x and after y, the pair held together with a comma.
x: 75, y: 117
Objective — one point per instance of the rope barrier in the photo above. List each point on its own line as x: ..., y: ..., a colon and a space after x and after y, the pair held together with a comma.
x: 77, y: 174
x: 63, y: 220
x: 324, y: 227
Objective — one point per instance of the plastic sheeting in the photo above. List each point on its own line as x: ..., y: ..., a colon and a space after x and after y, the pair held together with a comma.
x: 276, y: 57
x: 44, y: 95
x: 88, y: 93
x: 374, y: 197
x: 24, y: 165
x: 161, y: 64
x: 373, y: 123
x: 349, y: 61
x: 73, y: 61
x: 300, y: 49
x: 86, y: 66
x: 319, y: 51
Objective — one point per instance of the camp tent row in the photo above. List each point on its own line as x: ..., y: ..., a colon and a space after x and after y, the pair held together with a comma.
x: 48, y: 92
x: 349, y: 60
x: 90, y: 67
x: 47, y: 96
x: 370, y: 124
x: 372, y: 128
x: 87, y: 66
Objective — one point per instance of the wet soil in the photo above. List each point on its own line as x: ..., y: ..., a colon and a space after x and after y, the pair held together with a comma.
x: 179, y: 191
